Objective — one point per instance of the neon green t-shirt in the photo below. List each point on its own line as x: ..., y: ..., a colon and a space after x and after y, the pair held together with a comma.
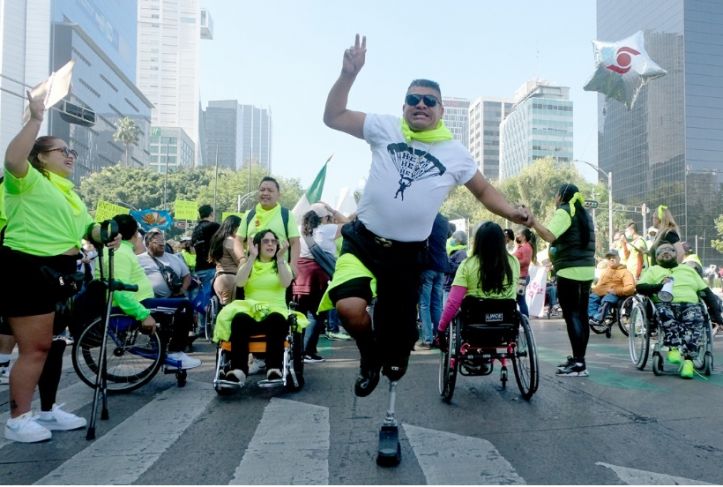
x: 558, y: 225
x: 686, y: 281
x: 128, y: 270
x: 263, y: 285
x: 468, y: 276
x: 40, y: 219
x: 3, y: 220
x: 268, y: 219
x: 189, y: 259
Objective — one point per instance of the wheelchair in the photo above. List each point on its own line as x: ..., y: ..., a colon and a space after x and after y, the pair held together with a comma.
x: 292, y: 369
x: 485, y: 331
x: 133, y: 357
x: 619, y: 315
x: 645, y: 328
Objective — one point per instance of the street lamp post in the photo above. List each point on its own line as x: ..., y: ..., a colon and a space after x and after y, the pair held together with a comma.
x: 609, y: 176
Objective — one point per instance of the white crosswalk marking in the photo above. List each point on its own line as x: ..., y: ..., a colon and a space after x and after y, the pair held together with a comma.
x: 73, y: 397
x: 451, y: 459
x: 633, y: 476
x: 129, y: 449
x: 290, y: 446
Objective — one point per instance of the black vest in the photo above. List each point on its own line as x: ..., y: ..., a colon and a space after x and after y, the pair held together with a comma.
x: 567, y: 250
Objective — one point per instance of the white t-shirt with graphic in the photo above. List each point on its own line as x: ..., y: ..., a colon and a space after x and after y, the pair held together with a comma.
x: 408, y: 182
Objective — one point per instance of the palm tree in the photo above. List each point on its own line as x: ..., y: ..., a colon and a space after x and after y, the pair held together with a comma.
x: 127, y: 132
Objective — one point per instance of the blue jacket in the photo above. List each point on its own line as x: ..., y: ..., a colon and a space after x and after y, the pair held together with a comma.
x: 436, y: 255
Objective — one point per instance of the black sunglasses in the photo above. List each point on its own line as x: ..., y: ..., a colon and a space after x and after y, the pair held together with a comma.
x: 413, y: 100
x: 66, y: 152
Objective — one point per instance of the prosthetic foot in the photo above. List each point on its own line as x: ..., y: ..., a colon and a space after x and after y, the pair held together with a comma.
x: 389, y: 453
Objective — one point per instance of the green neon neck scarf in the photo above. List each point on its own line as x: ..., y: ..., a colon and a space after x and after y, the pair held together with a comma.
x: 438, y: 134
x: 66, y: 188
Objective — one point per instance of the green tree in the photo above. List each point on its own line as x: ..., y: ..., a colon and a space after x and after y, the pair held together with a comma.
x: 127, y: 133
x: 718, y: 243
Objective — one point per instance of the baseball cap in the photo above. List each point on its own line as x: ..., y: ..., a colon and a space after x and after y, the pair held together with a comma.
x: 320, y: 210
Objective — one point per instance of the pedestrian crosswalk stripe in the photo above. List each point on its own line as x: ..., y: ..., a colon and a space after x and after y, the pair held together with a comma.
x: 73, y: 397
x: 125, y: 452
x: 290, y: 446
x: 451, y: 459
x: 633, y: 476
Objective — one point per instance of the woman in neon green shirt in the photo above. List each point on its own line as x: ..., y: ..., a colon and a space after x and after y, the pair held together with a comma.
x: 46, y: 221
x: 264, y: 277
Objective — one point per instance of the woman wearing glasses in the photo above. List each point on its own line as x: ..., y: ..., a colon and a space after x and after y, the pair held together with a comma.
x: 264, y: 276
x: 46, y: 222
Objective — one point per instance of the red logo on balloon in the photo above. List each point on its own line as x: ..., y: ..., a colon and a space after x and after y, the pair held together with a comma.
x: 623, y: 58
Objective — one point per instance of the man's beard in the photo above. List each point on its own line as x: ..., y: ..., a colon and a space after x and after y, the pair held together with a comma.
x: 668, y: 264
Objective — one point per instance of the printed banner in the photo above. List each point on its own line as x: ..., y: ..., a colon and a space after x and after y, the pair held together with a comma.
x: 185, y: 210
x: 147, y: 219
x: 106, y: 210
x: 535, y: 295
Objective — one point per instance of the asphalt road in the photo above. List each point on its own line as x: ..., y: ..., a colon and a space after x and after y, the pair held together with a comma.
x: 617, y: 426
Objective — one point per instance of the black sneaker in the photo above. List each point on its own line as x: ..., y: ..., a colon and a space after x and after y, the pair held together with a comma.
x: 313, y: 358
x: 576, y: 369
x: 367, y: 380
x: 568, y: 362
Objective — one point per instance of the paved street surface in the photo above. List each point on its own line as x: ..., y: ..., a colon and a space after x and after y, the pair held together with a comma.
x: 617, y: 426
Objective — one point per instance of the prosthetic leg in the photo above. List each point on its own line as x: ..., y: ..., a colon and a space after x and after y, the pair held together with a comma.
x: 389, y: 453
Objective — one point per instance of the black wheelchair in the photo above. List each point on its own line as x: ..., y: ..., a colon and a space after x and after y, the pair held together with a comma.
x: 485, y: 331
x: 617, y: 314
x: 292, y: 370
x: 645, y: 328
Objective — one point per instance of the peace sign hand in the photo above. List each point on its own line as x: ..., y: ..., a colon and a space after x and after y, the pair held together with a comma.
x: 355, y: 56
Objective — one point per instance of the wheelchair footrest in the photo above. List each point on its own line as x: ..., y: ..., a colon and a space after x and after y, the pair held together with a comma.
x: 227, y: 384
x: 270, y: 383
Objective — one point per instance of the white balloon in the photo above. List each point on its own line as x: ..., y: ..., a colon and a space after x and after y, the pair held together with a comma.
x: 622, y: 68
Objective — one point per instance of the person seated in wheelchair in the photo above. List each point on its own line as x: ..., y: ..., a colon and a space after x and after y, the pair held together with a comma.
x: 264, y: 276
x: 140, y: 304
x: 489, y: 273
x: 616, y: 282
x: 681, y: 318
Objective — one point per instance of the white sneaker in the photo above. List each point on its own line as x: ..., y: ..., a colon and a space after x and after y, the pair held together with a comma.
x: 24, y: 429
x: 186, y: 361
x: 236, y: 375
x: 59, y: 420
x: 5, y: 375
x: 256, y: 366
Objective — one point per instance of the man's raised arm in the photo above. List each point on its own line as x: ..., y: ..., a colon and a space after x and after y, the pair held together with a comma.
x: 336, y: 114
x: 495, y: 202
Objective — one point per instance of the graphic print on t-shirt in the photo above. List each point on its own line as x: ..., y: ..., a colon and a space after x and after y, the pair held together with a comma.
x: 413, y: 165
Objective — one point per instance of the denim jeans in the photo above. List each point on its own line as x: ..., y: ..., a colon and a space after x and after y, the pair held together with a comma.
x: 312, y: 332
x: 594, y: 309
x: 431, y: 290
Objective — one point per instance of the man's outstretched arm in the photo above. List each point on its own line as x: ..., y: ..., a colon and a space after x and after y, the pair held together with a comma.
x: 336, y: 114
x: 495, y: 202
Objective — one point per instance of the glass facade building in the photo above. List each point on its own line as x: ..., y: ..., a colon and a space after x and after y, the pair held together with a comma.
x: 485, y: 116
x: 540, y: 126
x: 171, y: 148
x: 668, y: 149
x: 456, y: 118
x: 101, y: 38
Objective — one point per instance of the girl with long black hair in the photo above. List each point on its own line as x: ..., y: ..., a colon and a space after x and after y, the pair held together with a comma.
x: 572, y: 252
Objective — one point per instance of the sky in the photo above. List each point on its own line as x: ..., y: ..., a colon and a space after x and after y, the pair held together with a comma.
x: 286, y: 54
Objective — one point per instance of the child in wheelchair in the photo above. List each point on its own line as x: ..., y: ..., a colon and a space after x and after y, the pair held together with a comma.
x: 616, y: 282
x: 489, y: 273
x: 678, y: 310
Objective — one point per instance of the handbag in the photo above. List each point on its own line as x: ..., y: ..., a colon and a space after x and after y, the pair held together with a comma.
x: 64, y: 285
x: 174, y: 282
x: 324, y: 259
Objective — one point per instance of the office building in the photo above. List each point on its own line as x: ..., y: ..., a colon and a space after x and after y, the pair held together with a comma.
x: 237, y: 135
x: 456, y: 116
x: 485, y: 116
x: 171, y: 148
x: 668, y: 149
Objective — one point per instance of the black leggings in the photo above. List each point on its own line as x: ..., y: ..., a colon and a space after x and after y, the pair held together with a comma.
x: 274, y: 326
x: 573, y: 297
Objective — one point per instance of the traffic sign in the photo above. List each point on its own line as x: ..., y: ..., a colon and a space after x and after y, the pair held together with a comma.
x: 591, y: 204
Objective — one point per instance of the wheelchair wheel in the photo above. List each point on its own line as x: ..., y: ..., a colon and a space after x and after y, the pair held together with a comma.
x: 222, y: 362
x: 210, y: 316
x: 599, y: 328
x: 524, y: 362
x: 639, y: 334
x: 449, y: 362
x: 703, y: 362
x: 295, y: 363
x: 623, y: 315
x: 658, y: 368
x: 133, y: 358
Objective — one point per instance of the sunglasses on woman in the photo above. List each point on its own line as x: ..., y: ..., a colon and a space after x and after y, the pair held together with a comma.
x: 268, y: 241
x: 66, y: 152
x: 413, y: 100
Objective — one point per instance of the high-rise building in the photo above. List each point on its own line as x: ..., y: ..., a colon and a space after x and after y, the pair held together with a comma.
x: 40, y: 36
x: 456, y: 113
x: 485, y: 116
x: 171, y: 148
x: 237, y: 135
x: 668, y: 149
x: 169, y: 32
x: 539, y: 126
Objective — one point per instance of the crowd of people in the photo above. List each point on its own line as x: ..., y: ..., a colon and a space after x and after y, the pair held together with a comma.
x: 397, y: 252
